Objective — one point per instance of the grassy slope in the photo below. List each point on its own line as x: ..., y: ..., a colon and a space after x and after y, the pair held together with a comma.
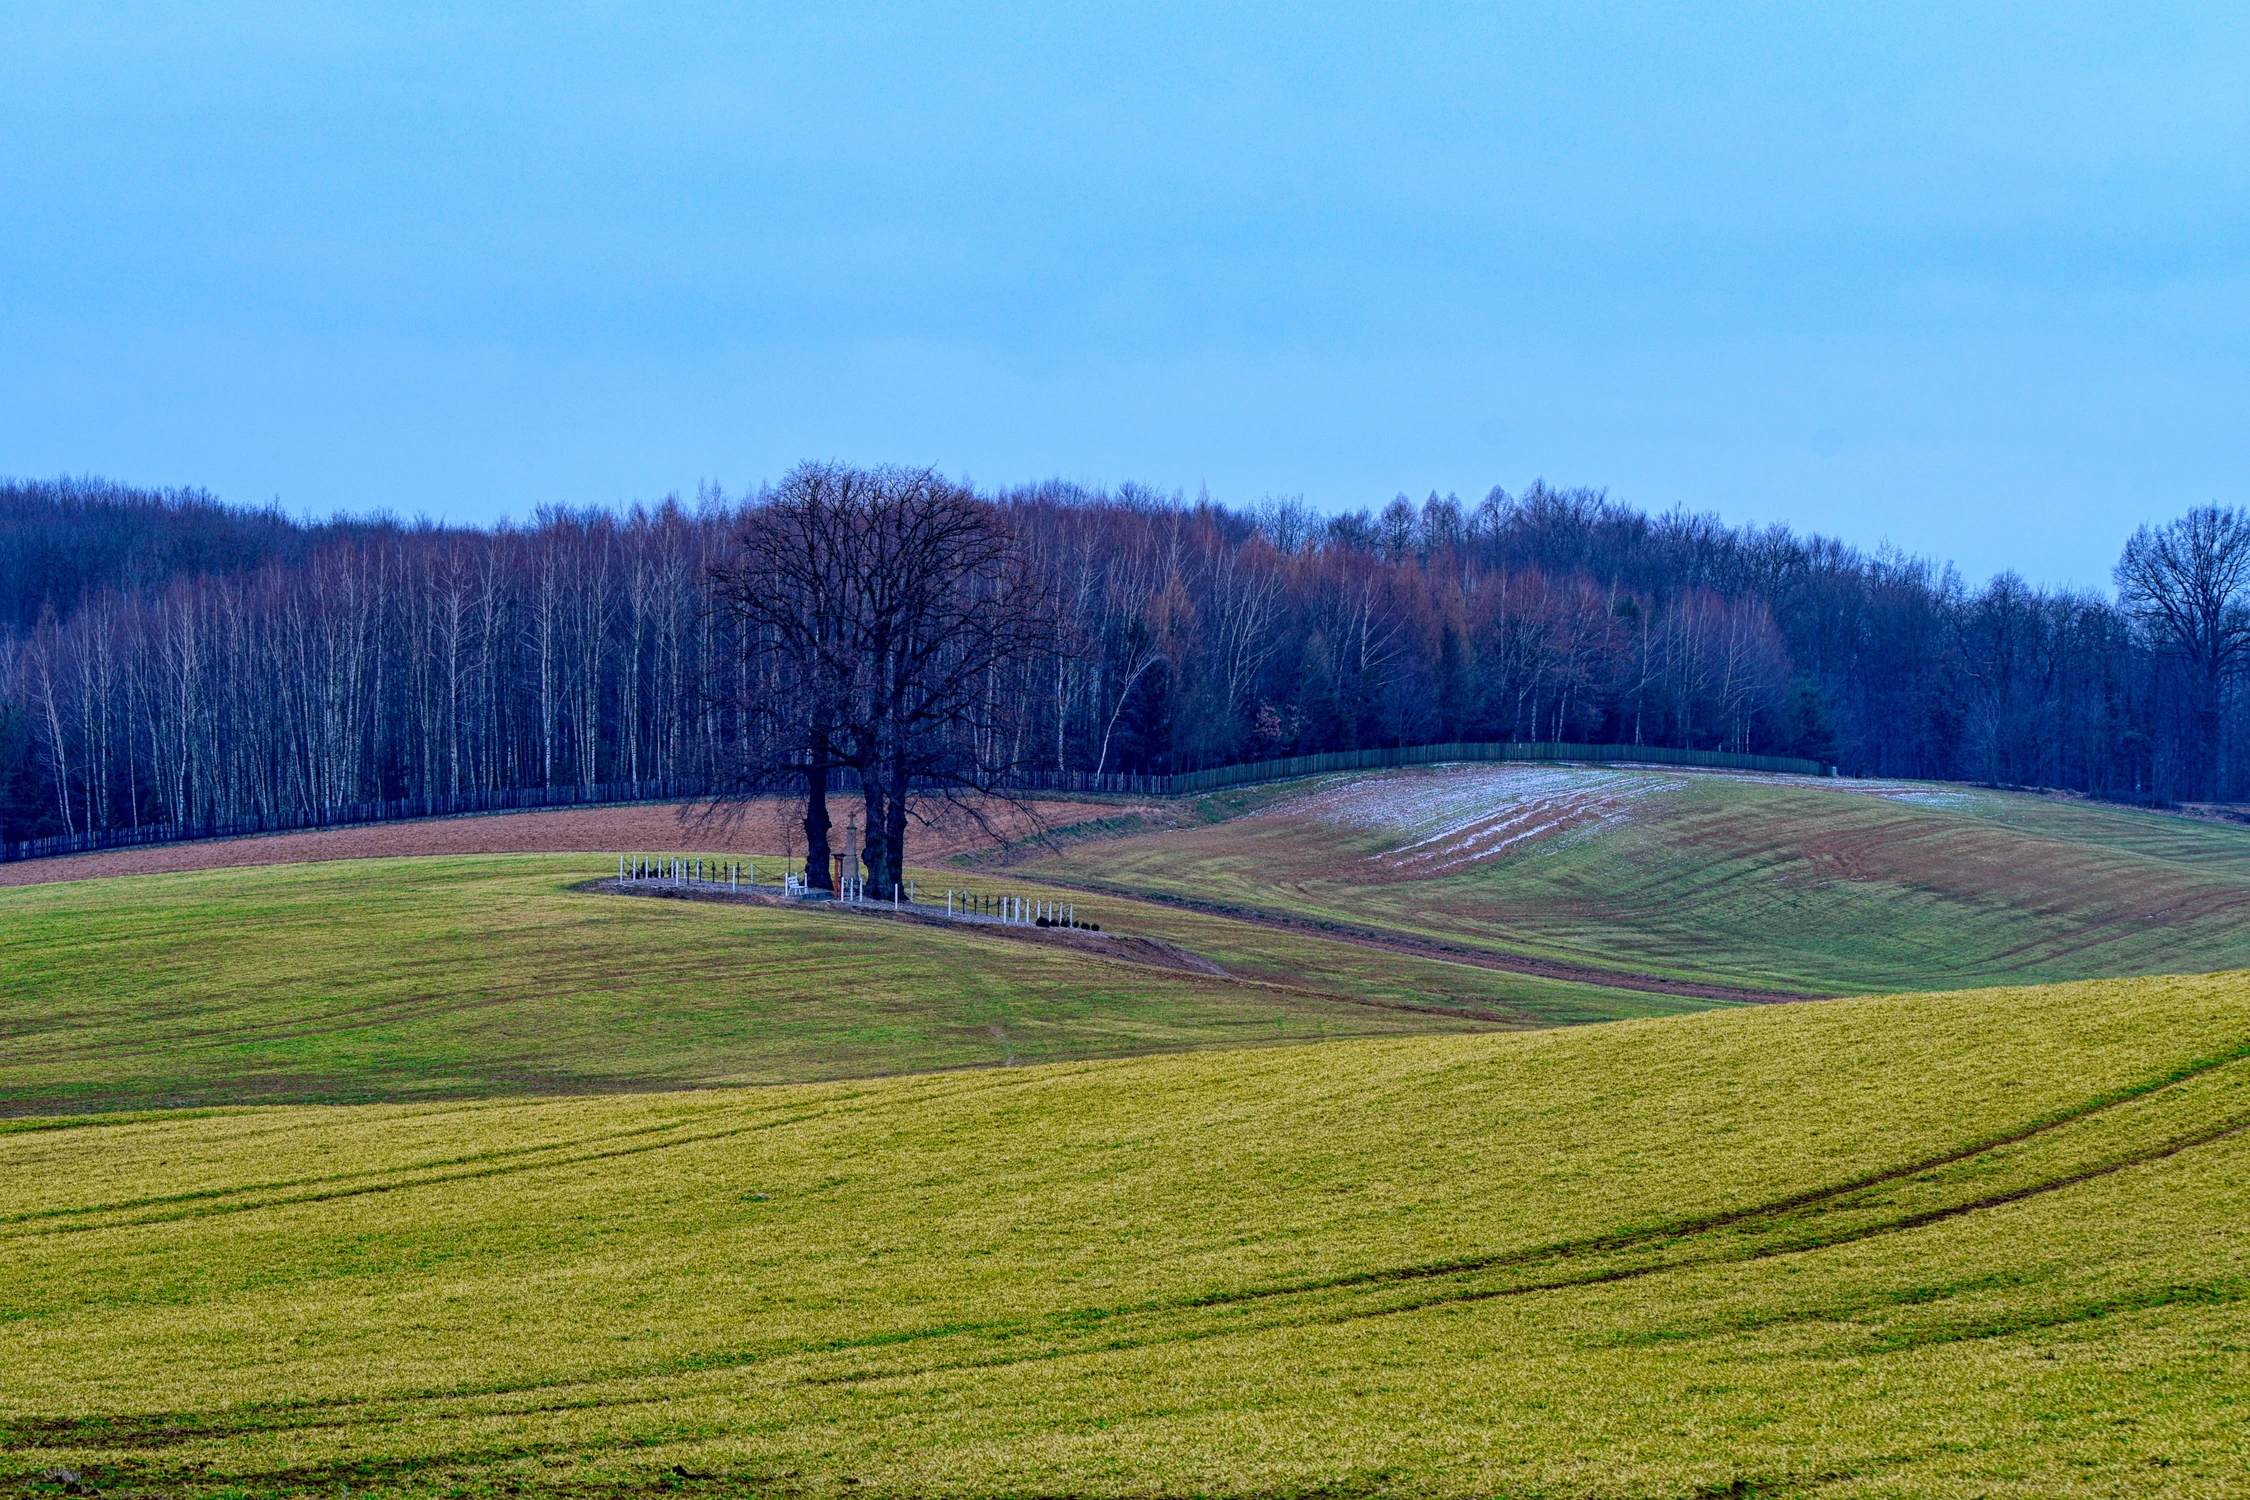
x: 1774, y: 883
x: 386, y: 979
x: 1939, y: 1244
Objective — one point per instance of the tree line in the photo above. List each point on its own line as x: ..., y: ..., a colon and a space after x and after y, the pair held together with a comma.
x: 166, y: 658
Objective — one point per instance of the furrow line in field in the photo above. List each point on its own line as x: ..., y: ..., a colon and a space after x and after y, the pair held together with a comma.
x: 1733, y: 1218
x: 1812, y: 1244
x: 439, y: 1179
x: 203, y: 1206
x: 1058, y: 1341
x: 1605, y: 1245
x: 1282, y: 1316
x: 1094, y: 1330
x: 205, y: 1195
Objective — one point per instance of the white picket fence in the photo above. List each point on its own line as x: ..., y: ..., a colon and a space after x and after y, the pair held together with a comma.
x: 698, y: 872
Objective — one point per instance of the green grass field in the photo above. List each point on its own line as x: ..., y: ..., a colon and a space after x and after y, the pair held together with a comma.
x: 440, y: 1177
x: 474, y: 976
x: 1945, y: 1244
x: 1776, y: 883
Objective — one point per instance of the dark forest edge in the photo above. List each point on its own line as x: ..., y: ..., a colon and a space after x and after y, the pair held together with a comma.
x: 168, y: 659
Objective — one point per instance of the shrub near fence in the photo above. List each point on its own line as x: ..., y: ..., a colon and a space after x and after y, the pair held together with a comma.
x: 1186, y: 783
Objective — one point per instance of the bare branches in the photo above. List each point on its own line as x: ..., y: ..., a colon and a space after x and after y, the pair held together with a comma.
x: 890, y: 615
x: 2184, y: 584
x: 894, y: 636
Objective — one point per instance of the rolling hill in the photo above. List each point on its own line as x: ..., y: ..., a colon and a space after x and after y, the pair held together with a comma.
x: 1775, y: 884
x: 470, y: 976
x: 1939, y: 1244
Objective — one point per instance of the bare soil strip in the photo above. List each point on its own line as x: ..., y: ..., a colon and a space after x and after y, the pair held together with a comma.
x: 762, y: 828
x: 1511, y: 963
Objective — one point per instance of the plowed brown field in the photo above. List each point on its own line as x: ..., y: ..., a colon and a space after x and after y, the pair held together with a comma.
x: 642, y: 828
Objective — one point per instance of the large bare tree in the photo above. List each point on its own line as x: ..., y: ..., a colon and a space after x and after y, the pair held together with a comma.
x: 792, y: 585
x: 890, y: 615
x: 953, y: 620
x: 2184, y: 583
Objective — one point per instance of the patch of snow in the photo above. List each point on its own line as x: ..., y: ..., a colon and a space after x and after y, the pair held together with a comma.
x: 1931, y: 799
x: 1473, y: 813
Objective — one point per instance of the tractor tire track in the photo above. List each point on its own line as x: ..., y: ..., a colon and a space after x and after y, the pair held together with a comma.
x: 1443, y: 952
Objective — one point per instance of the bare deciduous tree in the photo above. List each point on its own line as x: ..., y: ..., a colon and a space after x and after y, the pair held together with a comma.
x: 883, y: 609
x: 169, y: 660
x: 2184, y: 583
x: 790, y: 588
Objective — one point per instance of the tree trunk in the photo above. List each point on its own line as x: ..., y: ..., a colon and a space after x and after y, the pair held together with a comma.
x: 874, y: 854
x: 816, y: 822
x: 894, y: 825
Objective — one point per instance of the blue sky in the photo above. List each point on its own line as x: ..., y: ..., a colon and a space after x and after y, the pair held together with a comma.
x: 1971, y: 281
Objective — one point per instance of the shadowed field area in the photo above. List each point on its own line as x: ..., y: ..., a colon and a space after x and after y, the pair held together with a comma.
x: 1934, y: 1245
x: 1775, y: 883
x: 458, y: 977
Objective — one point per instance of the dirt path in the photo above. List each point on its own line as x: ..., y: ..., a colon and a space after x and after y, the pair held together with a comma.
x: 1153, y: 952
x: 641, y: 827
x: 1140, y: 950
x: 1511, y: 963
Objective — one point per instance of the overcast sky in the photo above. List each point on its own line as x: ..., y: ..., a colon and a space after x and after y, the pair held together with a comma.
x: 1972, y: 282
